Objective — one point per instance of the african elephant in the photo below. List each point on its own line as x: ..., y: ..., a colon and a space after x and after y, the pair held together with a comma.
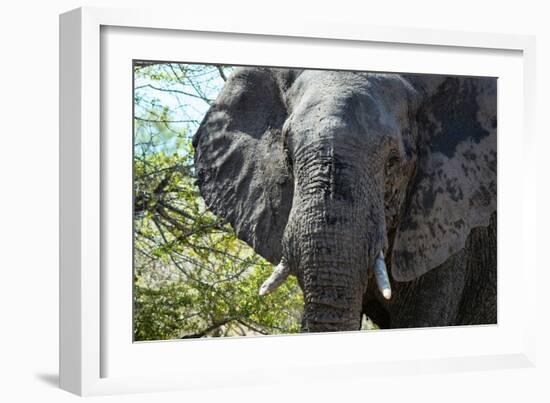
x: 335, y: 176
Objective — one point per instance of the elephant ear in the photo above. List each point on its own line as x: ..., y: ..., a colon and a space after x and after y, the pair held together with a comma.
x: 454, y: 188
x: 240, y: 161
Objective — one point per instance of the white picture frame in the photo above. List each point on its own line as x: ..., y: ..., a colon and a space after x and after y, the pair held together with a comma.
x: 84, y: 340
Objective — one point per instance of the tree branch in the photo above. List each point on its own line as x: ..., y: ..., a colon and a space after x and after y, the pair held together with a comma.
x: 173, y: 91
x: 163, y: 120
x: 222, y: 74
x: 204, y: 332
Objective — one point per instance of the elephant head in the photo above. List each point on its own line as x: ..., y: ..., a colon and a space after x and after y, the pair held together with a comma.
x: 335, y: 175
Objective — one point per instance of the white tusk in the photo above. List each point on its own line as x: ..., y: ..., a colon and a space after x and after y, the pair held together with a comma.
x: 381, y: 275
x: 278, y: 277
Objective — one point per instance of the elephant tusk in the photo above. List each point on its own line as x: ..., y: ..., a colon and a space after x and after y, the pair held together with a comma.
x: 278, y: 277
x: 381, y: 275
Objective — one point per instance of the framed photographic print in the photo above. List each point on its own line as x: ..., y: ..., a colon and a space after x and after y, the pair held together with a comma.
x: 236, y: 206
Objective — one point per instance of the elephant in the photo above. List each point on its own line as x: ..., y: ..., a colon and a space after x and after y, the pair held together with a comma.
x: 336, y: 176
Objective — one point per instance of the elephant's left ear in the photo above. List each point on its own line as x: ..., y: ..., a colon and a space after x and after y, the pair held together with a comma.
x: 455, y: 185
x: 241, y: 166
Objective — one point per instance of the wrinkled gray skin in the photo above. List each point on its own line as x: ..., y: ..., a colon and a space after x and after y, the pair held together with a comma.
x: 326, y: 169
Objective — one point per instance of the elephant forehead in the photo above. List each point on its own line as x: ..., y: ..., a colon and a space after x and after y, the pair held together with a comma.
x: 314, y: 88
x: 365, y: 101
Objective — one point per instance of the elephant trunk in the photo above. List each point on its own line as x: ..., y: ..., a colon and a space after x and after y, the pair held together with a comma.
x: 332, y: 298
x: 332, y: 270
x: 334, y: 234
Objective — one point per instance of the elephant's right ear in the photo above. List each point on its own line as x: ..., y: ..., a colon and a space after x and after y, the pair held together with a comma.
x: 455, y: 186
x: 240, y: 159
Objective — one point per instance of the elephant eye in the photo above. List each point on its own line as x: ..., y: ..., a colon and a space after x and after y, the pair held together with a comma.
x: 393, y: 160
x: 288, y: 157
x: 286, y: 149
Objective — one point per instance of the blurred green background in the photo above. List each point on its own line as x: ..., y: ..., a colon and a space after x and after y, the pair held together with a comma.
x: 192, y: 276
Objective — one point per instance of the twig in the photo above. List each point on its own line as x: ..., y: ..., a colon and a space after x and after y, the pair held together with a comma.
x: 204, y: 332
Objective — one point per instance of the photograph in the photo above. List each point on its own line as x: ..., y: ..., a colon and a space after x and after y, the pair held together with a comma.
x: 272, y: 200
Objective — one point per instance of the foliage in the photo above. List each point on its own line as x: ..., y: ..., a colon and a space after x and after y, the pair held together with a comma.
x: 192, y: 276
